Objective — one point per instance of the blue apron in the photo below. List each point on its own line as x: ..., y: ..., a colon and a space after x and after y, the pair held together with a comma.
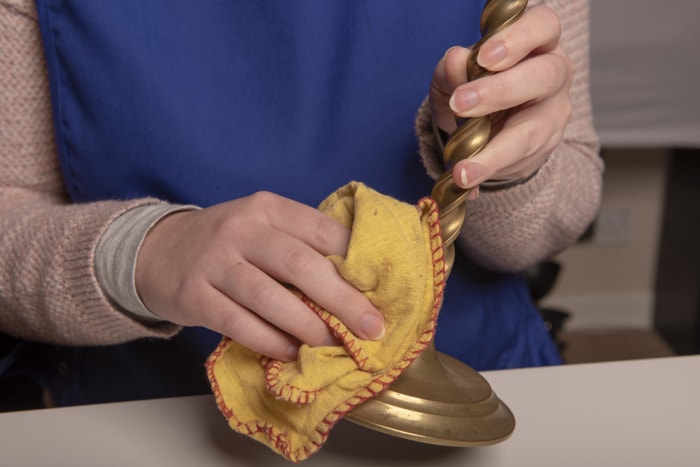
x: 209, y: 100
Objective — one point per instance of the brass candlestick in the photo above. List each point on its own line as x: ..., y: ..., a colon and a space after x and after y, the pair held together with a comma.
x: 438, y: 399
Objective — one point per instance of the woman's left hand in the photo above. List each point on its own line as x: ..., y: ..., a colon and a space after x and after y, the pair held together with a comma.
x: 531, y: 76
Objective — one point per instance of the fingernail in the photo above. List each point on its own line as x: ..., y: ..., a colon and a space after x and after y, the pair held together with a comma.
x: 491, y: 54
x: 292, y: 352
x: 463, y: 177
x: 372, y: 326
x: 470, y: 174
x: 462, y: 101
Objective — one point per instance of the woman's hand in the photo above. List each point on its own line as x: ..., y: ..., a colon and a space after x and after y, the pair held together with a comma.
x: 223, y: 268
x: 532, y: 76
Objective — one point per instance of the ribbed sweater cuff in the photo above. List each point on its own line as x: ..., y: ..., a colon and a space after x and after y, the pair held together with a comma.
x: 117, y: 251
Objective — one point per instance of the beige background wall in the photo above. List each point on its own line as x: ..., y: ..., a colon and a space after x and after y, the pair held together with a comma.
x: 644, y: 70
x: 608, y: 281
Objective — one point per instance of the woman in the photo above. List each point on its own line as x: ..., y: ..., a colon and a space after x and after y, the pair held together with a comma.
x: 151, y: 206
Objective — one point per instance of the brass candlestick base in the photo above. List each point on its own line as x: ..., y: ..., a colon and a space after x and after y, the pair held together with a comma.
x: 438, y: 399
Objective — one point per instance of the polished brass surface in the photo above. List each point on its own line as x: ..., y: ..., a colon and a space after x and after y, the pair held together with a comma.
x: 472, y: 134
x: 439, y: 400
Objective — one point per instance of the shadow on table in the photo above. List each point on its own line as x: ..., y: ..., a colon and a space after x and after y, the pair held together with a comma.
x: 350, y: 441
x: 347, y: 444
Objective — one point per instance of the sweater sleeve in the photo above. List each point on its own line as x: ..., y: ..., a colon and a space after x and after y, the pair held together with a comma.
x: 511, y: 229
x: 48, y: 288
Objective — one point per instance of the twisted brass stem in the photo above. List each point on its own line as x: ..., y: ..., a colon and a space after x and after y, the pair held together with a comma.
x: 439, y: 399
x: 472, y: 135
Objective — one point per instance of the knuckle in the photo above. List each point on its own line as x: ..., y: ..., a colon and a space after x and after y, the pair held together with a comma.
x: 261, y: 202
x: 299, y: 262
x: 528, y: 135
x: 262, y: 293
x: 328, y: 231
x: 500, y: 86
x: 262, y: 198
x: 233, y: 325
x: 550, y: 18
x: 456, y: 67
x: 455, y: 58
x: 344, y: 301
x: 347, y: 307
x: 253, y: 211
x: 554, y: 74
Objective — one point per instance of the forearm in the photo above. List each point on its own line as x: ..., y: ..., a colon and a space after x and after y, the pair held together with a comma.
x: 512, y: 229
x: 48, y: 288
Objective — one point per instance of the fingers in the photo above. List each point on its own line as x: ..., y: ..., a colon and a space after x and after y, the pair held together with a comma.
x: 521, y: 147
x: 531, y: 64
x: 248, y: 329
x: 449, y: 73
x: 224, y: 268
x: 534, y: 79
x: 305, y: 223
x: 253, y: 290
x: 294, y: 253
x: 537, y: 31
x: 531, y: 77
x: 294, y: 262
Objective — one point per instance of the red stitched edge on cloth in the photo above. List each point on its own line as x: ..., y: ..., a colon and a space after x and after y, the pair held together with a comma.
x: 288, y: 392
x: 376, y: 386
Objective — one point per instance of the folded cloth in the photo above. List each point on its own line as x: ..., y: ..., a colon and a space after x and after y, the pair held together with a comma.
x: 395, y: 258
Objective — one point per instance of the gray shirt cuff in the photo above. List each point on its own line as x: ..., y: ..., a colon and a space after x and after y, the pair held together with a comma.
x: 116, y: 253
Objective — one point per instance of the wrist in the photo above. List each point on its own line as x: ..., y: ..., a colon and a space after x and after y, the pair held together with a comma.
x: 496, y: 184
x: 117, y: 252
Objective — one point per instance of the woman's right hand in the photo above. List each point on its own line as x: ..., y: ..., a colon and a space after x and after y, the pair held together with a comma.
x: 223, y: 268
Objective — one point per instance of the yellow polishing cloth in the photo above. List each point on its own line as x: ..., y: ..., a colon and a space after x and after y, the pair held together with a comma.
x: 395, y: 258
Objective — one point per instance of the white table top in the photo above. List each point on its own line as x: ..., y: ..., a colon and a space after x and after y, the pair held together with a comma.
x: 635, y: 413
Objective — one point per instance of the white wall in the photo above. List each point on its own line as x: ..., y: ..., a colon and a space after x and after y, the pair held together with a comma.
x: 608, y: 282
x: 646, y: 97
x: 644, y: 72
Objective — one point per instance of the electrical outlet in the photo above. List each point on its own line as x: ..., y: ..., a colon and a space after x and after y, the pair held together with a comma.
x: 613, y: 226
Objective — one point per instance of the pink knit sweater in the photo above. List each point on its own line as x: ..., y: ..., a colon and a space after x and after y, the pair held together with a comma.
x: 48, y: 288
